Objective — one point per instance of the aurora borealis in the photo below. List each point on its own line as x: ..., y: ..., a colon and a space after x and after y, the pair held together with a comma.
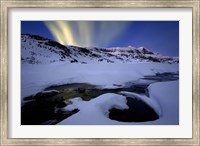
x: 159, y: 36
x: 85, y: 33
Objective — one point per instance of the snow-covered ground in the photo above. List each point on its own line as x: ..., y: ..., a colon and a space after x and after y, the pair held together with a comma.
x: 37, y: 77
x: 164, y: 99
x: 163, y: 96
x: 95, y: 112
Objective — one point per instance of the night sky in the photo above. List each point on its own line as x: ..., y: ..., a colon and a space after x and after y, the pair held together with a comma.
x: 158, y: 36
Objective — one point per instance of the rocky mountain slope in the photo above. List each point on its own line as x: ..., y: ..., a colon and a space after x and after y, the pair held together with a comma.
x: 39, y: 50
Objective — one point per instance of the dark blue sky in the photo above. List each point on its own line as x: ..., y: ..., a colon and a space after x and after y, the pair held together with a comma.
x: 158, y: 36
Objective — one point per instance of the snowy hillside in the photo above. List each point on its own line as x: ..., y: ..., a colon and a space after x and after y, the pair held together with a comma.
x: 39, y: 50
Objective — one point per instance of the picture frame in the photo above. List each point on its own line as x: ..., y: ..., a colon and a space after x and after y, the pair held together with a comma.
x: 4, y: 68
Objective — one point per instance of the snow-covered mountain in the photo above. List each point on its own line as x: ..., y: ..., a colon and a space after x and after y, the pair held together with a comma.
x: 38, y: 50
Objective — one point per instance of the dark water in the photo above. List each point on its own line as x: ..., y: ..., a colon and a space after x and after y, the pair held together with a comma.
x: 40, y: 109
x: 46, y: 108
x: 138, y: 112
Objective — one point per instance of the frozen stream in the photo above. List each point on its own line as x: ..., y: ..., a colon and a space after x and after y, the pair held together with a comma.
x: 46, y: 107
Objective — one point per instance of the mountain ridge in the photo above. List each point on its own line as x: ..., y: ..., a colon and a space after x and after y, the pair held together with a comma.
x: 39, y: 50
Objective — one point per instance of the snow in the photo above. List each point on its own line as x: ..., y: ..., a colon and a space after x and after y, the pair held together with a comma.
x: 43, y: 53
x: 163, y: 96
x: 166, y: 94
x: 36, y: 77
x: 49, y: 91
x: 164, y: 99
x: 38, y: 50
x: 151, y: 101
x: 95, y: 111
